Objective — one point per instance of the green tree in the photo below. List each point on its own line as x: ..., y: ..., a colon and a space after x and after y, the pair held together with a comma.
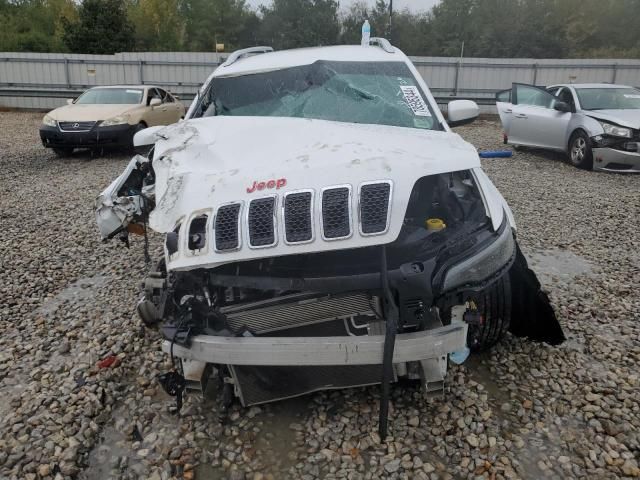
x: 300, y: 23
x: 488, y: 28
x: 351, y: 23
x: 158, y: 24
x: 452, y: 24
x: 102, y: 28
x: 229, y: 22
x: 412, y: 33
x: 34, y: 25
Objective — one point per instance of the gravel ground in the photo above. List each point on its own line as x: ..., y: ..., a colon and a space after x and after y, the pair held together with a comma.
x: 522, y: 411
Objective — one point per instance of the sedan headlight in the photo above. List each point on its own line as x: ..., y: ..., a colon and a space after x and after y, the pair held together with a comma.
x: 119, y: 120
x: 616, y: 130
x: 49, y: 121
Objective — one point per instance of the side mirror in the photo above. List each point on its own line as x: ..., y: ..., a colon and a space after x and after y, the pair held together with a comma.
x: 461, y: 112
x: 155, y: 102
x: 69, y: 101
x: 562, y: 107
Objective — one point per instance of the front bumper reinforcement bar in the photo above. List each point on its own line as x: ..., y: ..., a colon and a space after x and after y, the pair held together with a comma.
x: 344, y: 350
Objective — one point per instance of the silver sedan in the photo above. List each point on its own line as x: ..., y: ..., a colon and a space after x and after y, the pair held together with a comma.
x: 596, y: 124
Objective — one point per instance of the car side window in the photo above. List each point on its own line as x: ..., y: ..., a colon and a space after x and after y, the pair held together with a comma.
x: 168, y: 98
x: 153, y: 93
x: 164, y: 95
x: 530, y: 95
x: 566, y: 96
x: 553, y: 90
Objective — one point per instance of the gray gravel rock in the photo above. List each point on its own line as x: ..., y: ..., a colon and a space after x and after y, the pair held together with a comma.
x: 523, y: 410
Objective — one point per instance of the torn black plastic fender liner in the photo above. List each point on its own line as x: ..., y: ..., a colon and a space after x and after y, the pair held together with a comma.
x: 532, y: 315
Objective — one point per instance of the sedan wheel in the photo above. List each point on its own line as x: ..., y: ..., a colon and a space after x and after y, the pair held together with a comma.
x: 580, y: 152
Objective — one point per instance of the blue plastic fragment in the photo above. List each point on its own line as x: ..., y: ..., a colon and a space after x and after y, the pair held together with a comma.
x: 460, y: 356
x: 496, y: 154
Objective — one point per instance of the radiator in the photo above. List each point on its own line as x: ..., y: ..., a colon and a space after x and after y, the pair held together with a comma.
x: 298, y: 310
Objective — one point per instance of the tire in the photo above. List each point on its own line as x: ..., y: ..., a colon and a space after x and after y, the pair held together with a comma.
x: 494, y: 304
x: 63, y: 152
x: 580, y: 152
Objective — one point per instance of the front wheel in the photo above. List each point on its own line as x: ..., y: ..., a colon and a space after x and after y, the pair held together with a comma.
x: 494, y: 304
x: 580, y: 152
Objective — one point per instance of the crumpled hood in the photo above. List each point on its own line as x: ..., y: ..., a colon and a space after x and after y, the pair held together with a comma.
x: 203, y: 163
x: 626, y: 118
x: 88, y: 112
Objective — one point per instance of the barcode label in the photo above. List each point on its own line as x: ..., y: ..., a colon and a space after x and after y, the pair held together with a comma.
x: 415, y: 101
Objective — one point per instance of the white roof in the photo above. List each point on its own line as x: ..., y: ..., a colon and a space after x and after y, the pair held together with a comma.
x: 306, y: 56
x: 592, y: 85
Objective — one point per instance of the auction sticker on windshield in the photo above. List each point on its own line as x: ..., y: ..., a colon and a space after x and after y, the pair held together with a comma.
x: 415, y: 101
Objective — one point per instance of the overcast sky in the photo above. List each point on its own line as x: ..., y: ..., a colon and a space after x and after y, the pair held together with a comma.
x: 413, y: 5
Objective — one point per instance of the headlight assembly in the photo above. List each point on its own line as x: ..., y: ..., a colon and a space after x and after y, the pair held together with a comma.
x: 49, y: 121
x: 616, y: 130
x: 483, y: 264
x: 119, y: 120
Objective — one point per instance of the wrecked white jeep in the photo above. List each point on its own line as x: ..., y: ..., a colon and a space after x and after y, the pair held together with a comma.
x: 324, y: 228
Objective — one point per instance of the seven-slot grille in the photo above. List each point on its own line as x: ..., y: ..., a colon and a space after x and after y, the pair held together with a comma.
x: 76, y: 126
x: 227, y: 231
x: 297, y: 217
x: 336, y: 218
x: 374, y: 207
x: 261, y: 222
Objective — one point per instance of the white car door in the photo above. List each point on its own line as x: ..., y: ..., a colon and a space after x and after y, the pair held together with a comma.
x: 535, y: 121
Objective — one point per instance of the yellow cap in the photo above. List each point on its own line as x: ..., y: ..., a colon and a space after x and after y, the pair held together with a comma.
x: 434, y: 224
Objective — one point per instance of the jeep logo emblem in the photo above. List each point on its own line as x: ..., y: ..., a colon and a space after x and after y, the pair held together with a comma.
x: 269, y: 184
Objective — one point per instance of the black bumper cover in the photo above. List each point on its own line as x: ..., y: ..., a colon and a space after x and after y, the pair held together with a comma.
x: 114, y: 136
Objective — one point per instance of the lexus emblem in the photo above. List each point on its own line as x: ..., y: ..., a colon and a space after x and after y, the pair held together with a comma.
x: 76, y: 125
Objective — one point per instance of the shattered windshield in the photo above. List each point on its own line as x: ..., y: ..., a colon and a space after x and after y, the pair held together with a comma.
x: 609, y: 98
x: 384, y: 93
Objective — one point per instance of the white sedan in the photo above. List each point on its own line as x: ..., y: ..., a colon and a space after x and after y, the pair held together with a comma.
x: 596, y: 124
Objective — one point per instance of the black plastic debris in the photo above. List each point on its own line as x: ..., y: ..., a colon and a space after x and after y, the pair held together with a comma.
x: 532, y: 315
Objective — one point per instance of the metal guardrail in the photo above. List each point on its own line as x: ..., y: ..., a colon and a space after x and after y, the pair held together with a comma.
x: 441, y: 95
x: 455, y: 77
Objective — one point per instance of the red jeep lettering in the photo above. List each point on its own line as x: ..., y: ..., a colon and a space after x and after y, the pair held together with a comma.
x: 269, y: 184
